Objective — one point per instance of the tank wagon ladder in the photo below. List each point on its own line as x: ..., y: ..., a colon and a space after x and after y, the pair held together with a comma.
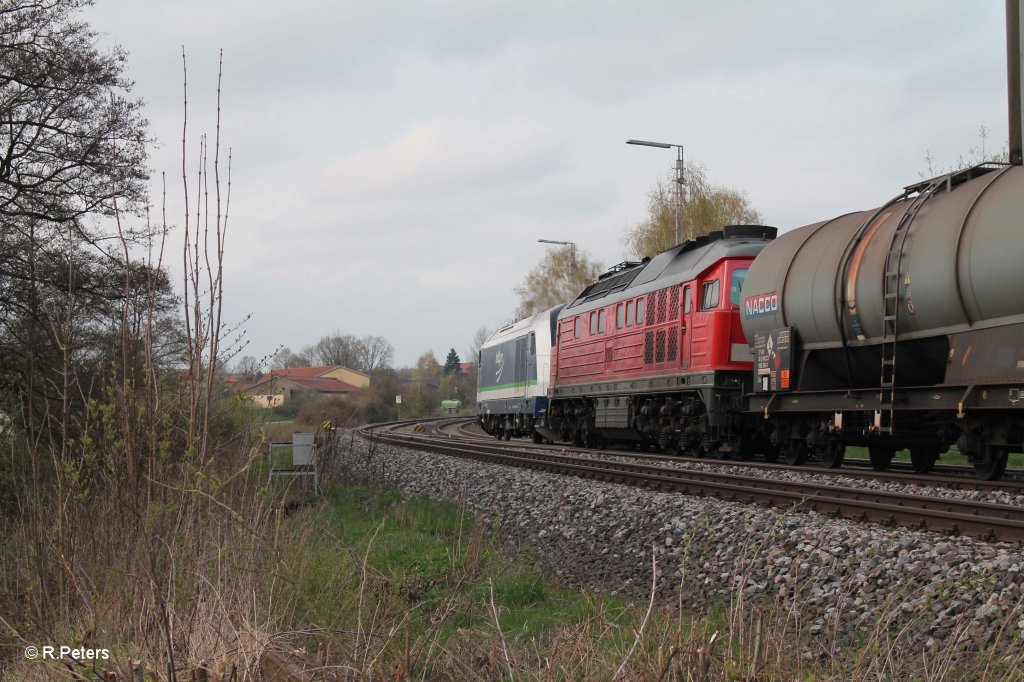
x: 885, y: 415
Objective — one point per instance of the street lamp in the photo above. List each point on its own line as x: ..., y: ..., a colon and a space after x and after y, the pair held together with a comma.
x: 677, y: 195
x: 571, y: 245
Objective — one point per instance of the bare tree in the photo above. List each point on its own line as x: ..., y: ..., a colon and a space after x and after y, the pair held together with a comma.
x: 479, y: 339
x: 72, y: 143
x: 337, y: 349
x: 557, y: 279
x: 72, y: 150
x: 378, y: 354
x: 286, y: 359
x: 248, y: 368
x: 369, y: 354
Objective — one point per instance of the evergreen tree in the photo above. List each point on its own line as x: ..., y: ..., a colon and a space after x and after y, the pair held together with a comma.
x: 452, y: 363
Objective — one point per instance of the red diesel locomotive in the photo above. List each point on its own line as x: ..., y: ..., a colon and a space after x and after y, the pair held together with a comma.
x: 655, y: 352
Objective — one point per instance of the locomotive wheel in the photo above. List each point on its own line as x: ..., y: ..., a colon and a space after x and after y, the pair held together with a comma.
x: 719, y: 454
x: 796, y: 453
x: 990, y: 465
x: 508, y: 434
x: 771, y: 454
x: 923, y: 458
x: 833, y: 454
x: 881, y: 456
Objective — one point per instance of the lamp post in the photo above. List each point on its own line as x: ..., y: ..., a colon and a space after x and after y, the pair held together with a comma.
x: 677, y: 195
x: 572, y: 249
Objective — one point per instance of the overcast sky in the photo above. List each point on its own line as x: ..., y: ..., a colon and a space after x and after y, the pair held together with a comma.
x: 396, y: 162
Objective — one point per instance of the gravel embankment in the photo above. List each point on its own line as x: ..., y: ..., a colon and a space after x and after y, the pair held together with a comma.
x: 835, y: 579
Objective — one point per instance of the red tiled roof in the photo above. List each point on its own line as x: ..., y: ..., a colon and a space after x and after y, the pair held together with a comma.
x: 323, y: 385
x: 312, y: 372
x: 301, y: 371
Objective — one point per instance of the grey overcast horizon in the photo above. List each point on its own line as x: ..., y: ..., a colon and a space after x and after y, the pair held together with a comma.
x: 395, y: 163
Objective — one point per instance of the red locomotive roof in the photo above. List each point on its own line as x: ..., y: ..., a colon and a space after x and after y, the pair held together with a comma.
x: 680, y: 263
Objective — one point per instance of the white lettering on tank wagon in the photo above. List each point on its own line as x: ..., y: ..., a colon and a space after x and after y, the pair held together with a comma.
x: 764, y: 304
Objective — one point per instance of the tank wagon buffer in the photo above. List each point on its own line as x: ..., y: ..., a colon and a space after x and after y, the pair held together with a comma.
x: 653, y: 352
x: 899, y: 327
x: 514, y: 366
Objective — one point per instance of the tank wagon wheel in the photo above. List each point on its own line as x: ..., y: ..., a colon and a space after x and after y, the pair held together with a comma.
x: 923, y: 458
x: 508, y: 434
x: 991, y: 463
x: 771, y: 454
x: 796, y: 452
x: 833, y: 453
x: 537, y: 438
x: 881, y: 456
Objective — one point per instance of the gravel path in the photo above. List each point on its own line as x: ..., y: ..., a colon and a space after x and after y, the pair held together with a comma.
x: 833, y: 579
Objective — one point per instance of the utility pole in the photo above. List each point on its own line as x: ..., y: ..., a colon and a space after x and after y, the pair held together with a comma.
x: 1014, y: 75
x: 680, y: 168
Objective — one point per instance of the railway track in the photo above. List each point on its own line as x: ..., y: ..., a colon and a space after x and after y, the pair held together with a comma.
x: 943, y: 515
x: 944, y: 476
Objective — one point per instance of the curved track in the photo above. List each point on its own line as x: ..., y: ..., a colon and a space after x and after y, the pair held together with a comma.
x: 453, y: 437
x: 943, y: 476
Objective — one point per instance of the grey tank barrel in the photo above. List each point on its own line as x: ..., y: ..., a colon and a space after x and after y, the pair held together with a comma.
x: 960, y: 266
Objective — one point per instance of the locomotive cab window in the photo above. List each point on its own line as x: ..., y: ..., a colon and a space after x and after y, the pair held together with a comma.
x: 686, y: 300
x: 639, y: 311
x: 629, y: 313
x: 600, y: 321
x: 736, y: 285
x: 709, y: 298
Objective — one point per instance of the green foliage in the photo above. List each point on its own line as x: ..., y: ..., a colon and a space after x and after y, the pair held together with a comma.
x: 383, y: 560
x: 707, y: 207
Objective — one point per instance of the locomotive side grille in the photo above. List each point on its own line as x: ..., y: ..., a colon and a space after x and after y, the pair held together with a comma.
x: 673, y: 303
x: 648, y: 348
x: 659, y: 346
x: 673, y: 344
x: 661, y: 306
x: 650, y: 308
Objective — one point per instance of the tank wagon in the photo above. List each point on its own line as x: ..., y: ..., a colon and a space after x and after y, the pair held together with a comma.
x: 512, y: 376
x: 654, y: 353
x: 899, y: 327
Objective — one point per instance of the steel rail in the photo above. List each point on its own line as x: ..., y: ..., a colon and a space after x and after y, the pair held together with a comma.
x: 952, y: 477
x: 955, y: 517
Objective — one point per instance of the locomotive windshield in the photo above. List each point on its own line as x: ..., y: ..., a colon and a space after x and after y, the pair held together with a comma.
x: 736, y: 285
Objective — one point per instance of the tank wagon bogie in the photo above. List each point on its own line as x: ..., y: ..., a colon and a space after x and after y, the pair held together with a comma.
x: 653, y: 352
x: 512, y: 376
x: 901, y: 327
